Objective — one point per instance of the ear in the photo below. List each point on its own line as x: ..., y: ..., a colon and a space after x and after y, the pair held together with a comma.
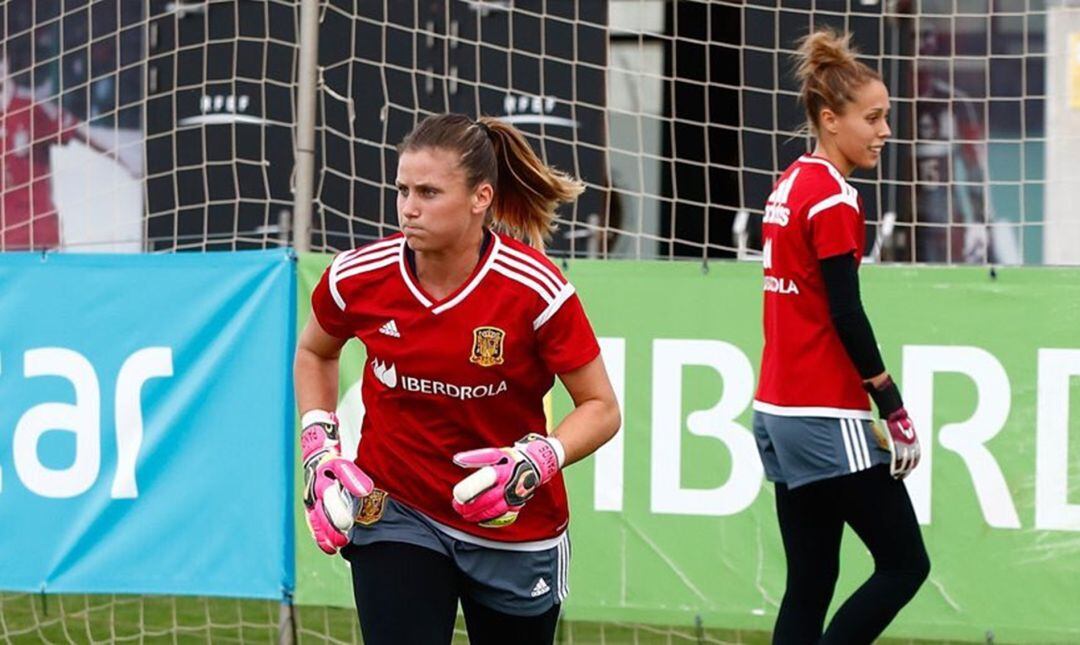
x: 482, y: 197
x: 829, y: 121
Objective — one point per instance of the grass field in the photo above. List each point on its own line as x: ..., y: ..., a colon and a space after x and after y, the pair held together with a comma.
x: 28, y: 618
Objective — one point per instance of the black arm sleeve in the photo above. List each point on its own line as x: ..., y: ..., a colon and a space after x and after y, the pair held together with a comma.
x: 841, y: 277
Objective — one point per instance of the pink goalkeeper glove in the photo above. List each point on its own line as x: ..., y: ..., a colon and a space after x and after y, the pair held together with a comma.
x: 902, y: 439
x: 506, y: 479
x: 905, y: 444
x: 331, y: 482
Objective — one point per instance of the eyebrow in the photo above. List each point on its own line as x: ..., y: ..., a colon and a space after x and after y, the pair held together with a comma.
x: 420, y: 186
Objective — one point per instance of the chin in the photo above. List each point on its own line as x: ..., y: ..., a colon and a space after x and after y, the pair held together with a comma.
x: 869, y: 163
x: 414, y: 243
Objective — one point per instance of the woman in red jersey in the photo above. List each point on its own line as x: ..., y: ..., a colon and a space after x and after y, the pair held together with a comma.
x: 465, y: 327
x: 830, y: 462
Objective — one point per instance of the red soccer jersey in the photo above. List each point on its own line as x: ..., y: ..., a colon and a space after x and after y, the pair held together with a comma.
x: 811, y: 214
x: 27, y: 131
x: 466, y: 372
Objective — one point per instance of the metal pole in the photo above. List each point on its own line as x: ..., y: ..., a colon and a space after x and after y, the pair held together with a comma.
x: 304, y: 154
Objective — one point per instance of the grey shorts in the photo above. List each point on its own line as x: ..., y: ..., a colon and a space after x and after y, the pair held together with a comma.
x: 517, y: 579
x: 800, y: 450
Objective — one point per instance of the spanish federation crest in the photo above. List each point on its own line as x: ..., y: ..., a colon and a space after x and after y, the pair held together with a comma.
x: 487, y: 349
x: 371, y: 508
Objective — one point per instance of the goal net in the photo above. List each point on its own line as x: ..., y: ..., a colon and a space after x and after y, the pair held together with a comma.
x: 168, y: 125
x: 680, y: 116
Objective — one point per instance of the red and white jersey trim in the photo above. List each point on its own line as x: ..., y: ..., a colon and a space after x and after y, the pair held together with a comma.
x: 847, y: 195
x: 415, y: 290
x: 553, y: 308
x: 810, y: 411
x: 549, y: 278
x: 495, y: 246
x: 528, y: 276
x: 552, y: 288
x: 362, y: 260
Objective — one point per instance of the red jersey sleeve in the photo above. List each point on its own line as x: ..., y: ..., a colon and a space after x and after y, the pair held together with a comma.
x: 328, y: 307
x: 834, y: 223
x: 566, y: 339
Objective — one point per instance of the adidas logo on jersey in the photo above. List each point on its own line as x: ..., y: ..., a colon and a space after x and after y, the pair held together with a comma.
x: 540, y: 588
x: 776, y: 210
x: 390, y: 329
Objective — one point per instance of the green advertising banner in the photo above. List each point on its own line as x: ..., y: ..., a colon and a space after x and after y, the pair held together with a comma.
x: 672, y: 521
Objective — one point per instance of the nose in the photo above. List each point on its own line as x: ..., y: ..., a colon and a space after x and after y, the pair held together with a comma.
x: 408, y: 208
x: 886, y: 131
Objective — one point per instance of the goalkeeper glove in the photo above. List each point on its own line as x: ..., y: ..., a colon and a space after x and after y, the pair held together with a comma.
x: 331, y: 482
x: 903, y: 442
x: 506, y: 479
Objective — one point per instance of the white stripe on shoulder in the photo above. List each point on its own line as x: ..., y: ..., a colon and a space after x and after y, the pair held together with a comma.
x: 375, y: 246
x: 553, y: 308
x: 524, y: 269
x: 805, y: 411
x: 371, y: 254
x: 351, y: 263
x: 523, y: 279
x: 357, y: 269
x: 847, y: 195
x: 333, y: 279
x: 821, y: 162
x: 538, y: 265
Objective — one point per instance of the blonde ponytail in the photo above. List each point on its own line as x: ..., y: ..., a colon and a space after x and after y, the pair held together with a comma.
x: 528, y: 191
x: 830, y: 73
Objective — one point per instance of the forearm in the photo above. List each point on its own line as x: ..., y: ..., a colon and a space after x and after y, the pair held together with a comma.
x: 857, y: 337
x: 840, y: 275
x: 589, y: 426
x: 316, y: 381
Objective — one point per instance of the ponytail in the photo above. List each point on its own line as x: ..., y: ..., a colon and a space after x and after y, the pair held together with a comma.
x: 527, y: 191
x: 830, y: 73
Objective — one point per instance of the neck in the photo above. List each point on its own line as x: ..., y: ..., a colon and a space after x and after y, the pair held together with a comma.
x: 827, y: 150
x: 441, y: 272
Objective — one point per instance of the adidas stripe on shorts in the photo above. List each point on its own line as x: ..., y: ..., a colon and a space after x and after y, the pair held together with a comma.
x: 800, y: 450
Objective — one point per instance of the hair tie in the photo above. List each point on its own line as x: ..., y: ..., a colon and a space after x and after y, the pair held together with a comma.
x: 483, y: 128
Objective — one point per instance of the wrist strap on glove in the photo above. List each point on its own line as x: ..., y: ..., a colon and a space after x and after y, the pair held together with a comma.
x: 886, y: 397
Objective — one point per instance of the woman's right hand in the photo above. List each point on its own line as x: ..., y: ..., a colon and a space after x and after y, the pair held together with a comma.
x: 331, y: 482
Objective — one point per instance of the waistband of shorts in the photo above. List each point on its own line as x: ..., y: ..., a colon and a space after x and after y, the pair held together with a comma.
x: 811, y: 411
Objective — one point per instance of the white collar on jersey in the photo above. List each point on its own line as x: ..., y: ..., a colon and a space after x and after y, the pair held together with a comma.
x: 478, y: 277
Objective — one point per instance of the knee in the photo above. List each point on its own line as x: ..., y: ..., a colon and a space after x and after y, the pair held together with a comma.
x: 911, y: 576
x: 812, y: 585
x: 921, y: 569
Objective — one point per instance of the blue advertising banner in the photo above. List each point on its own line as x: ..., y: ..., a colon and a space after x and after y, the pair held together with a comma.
x: 146, y: 423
